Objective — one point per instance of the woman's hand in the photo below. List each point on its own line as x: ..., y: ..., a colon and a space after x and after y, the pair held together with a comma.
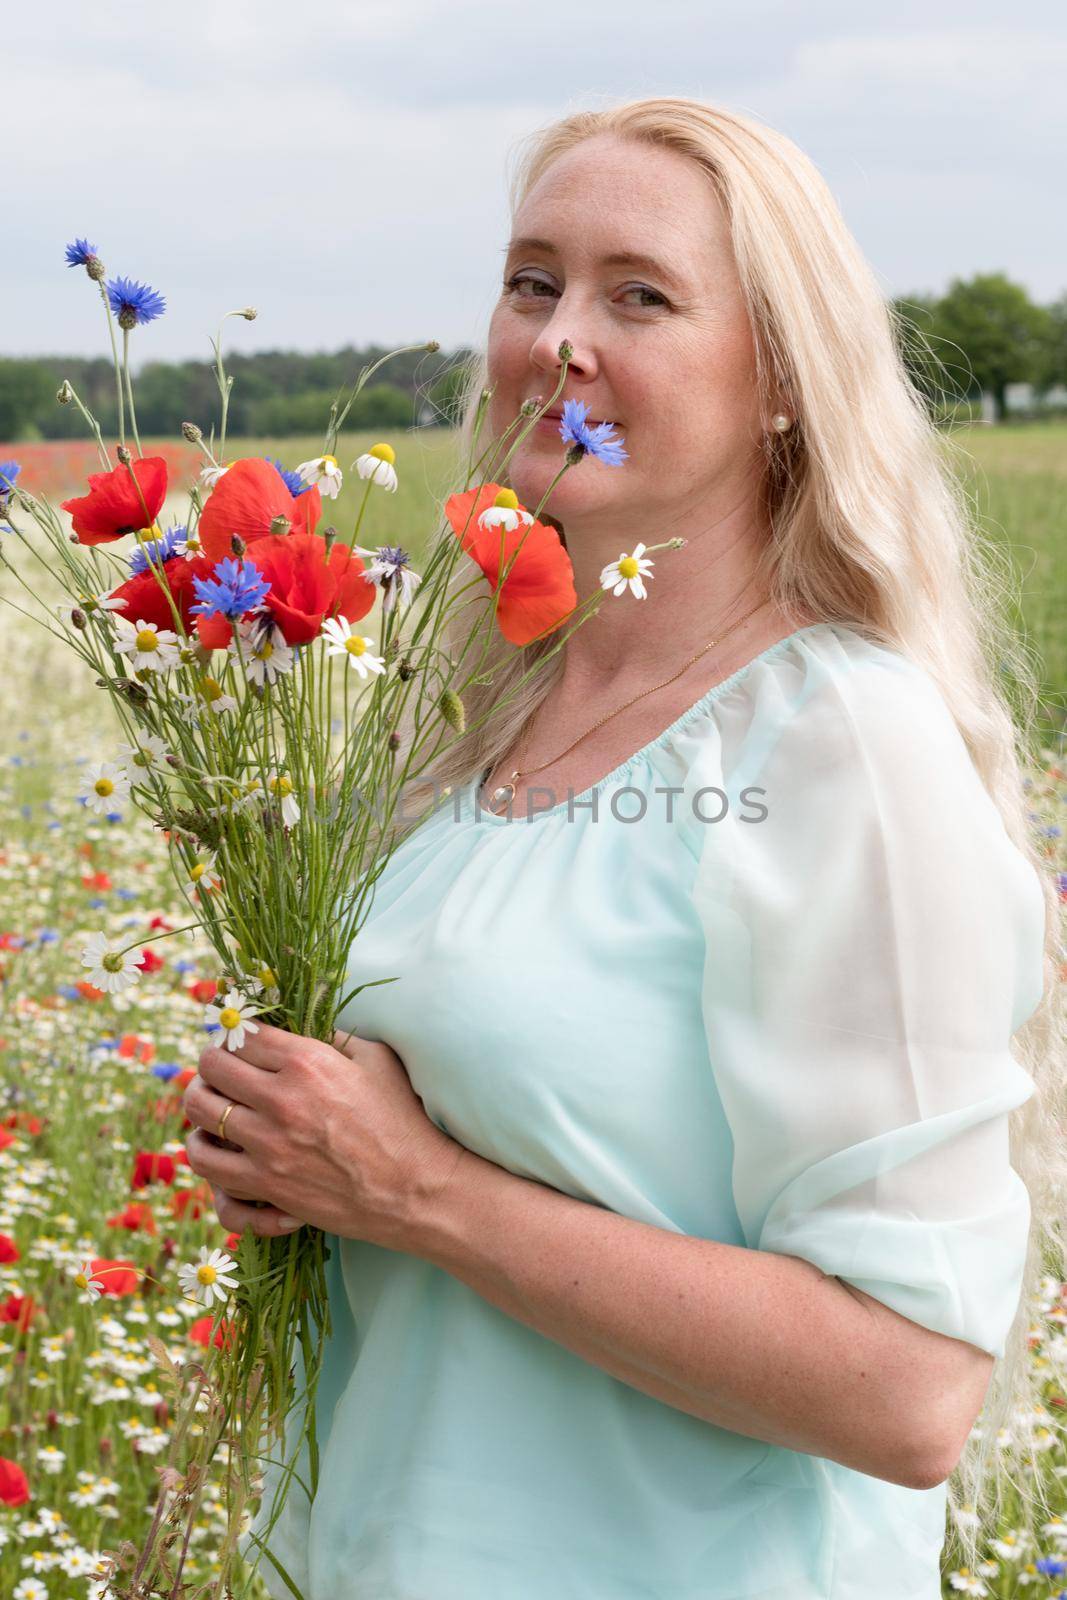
x: 332, y: 1135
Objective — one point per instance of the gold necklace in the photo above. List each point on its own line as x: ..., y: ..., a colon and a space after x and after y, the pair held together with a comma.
x: 505, y: 792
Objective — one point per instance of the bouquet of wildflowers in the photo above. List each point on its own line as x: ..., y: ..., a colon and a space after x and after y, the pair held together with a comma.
x: 258, y: 712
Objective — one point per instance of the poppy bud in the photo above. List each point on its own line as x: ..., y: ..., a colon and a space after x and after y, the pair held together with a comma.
x: 191, y: 432
x: 64, y: 392
x: 394, y: 741
x: 329, y: 535
x: 78, y: 619
x: 124, y: 455
x: 451, y: 707
x: 237, y: 544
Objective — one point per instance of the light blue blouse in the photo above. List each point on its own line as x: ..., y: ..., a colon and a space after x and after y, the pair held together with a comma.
x: 773, y: 1008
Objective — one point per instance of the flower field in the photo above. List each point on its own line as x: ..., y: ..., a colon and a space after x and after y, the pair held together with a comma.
x: 112, y: 1263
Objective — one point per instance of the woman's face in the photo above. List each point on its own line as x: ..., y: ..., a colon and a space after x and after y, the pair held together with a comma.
x: 662, y: 346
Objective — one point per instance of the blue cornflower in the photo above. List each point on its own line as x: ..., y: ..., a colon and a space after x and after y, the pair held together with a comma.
x: 134, y: 302
x: 595, y: 441
x: 1051, y: 1566
x: 158, y: 549
x: 9, y: 471
x: 292, y: 480
x: 166, y: 1070
x: 80, y: 253
x: 237, y: 587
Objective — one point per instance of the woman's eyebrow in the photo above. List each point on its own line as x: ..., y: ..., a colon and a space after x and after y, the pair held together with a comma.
x: 626, y: 258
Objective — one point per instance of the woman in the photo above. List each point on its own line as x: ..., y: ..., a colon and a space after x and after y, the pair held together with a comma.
x: 691, y: 1276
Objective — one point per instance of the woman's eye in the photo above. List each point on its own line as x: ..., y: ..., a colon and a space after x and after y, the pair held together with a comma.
x: 514, y: 284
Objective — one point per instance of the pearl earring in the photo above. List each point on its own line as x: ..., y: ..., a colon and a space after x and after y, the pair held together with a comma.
x: 781, y: 422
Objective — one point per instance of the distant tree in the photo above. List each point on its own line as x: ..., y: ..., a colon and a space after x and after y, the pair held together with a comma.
x: 1052, y: 364
x: 999, y: 330
x: 27, y: 392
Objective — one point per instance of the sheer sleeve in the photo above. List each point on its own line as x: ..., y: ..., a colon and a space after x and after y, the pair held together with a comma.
x: 871, y: 946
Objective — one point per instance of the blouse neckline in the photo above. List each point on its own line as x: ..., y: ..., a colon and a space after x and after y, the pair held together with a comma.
x: 480, y: 814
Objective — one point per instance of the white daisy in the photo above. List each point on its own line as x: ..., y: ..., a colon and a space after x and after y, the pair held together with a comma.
x: 108, y: 787
x: 30, y: 1589
x: 204, y: 875
x: 389, y: 570
x: 377, y: 464
x: 324, y: 471
x: 628, y: 571
x: 149, y: 647
x: 505, y: 512
x: 91, y: 1288
x: 280, y: 783
x: 209, y: 1278
x: 78, y: 1563
x: 150, y: 754
x: 111, y: 968
x: 215, y: 697
x: 355, y: 646
x: 210, y: 475
x: 232, y: 1019
x: 264, y: 651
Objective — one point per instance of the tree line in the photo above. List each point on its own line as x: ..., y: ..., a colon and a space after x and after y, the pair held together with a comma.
x: 981, y: 335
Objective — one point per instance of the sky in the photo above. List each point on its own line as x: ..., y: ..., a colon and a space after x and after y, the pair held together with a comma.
x: 344, y: 166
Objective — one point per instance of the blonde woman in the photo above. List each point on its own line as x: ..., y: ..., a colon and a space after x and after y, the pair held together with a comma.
x: 694, y: 1186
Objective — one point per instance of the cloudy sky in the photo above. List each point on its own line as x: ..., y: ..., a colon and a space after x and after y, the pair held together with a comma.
x: 343, y: 165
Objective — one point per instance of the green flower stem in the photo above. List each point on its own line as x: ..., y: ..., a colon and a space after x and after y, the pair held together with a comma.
x: 129, y: 387
x: 115, y: 359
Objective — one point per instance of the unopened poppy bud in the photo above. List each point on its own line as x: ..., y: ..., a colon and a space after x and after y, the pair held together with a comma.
x: 237, y: 544
x: 452, y: 710
x: 394, y: 741
x: 124, y: 455
x: 191, y: 432
x: 279, y: 525
x: 64, y: 393
x: 329, y: 535
x: 78, y: 619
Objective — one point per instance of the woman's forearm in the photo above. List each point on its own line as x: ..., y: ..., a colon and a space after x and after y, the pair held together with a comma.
x: 764, y: 1345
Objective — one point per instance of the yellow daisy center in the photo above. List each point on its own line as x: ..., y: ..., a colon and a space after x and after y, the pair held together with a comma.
x: 210, y: 689
x: 384, y: 452
x: 628, y: 567
x: 267, y: 978
x: 104, y: 786
x: 229, y: 1017
x: 197, y: 872
x: 206, y: 1274
x: 142, y: 759
x: 330, y: 461
x: 265, y: 651
x: 508, y: 499
x: 81, y: 1280
x: 147, y: 639
x: 355, y: 645
x: 144, y: 535
x: 112, y: 962
x: 282, y: 785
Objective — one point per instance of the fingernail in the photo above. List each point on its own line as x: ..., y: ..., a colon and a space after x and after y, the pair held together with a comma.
x: 287, y: 1224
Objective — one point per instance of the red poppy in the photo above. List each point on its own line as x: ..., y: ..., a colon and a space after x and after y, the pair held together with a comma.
x: 137, y: 1218
x: 14, y: 1485
x: 159, y: 922
x: 185, y: 1077
x: 146, y: 602
x: 131, y: 1044
x: 9, y: 1250
x: 151, y: 1166
x: 232, y: 1241
x: 245, y: 501
x: 19, y: 1309
x: 150, y: 962
x: 203, y: 989
x: 200, y: 1332
x: 116, y: 505
x: 191, y: 1202
x: 23, y: 1119
x: 306, y: 585
x: 117, y: 1278
x: 88, y: 991
x: 538, y: 593
x: 6, y: 1139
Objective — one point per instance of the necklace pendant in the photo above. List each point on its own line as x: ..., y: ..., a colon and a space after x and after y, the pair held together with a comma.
x: 504, y: 794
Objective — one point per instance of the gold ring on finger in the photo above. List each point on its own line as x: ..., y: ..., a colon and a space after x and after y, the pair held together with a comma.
x: 222, y: 1119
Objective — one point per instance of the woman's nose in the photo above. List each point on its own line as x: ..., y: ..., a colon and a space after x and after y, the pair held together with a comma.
x: 544, y: 352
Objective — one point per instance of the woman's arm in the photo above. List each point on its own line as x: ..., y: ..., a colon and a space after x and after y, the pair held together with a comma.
x: 762, y: 1344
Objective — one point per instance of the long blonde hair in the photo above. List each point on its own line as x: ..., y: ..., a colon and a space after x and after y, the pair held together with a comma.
x: 872, y: 528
